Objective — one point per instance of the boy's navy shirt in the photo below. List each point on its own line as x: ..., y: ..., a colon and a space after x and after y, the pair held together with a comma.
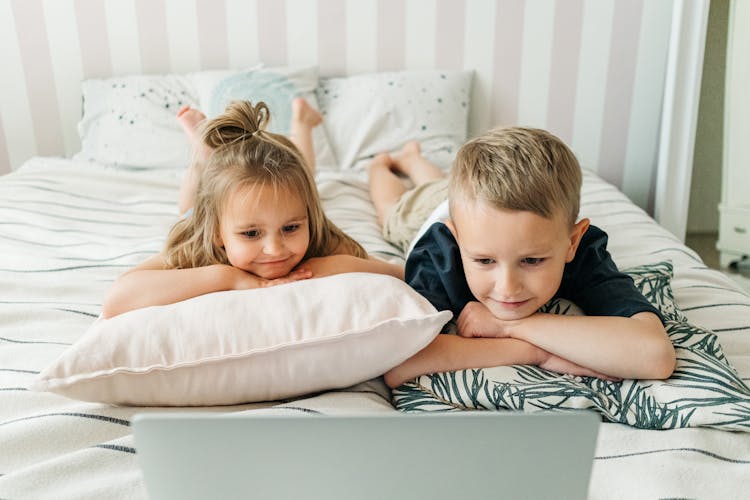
x: 591, y: 280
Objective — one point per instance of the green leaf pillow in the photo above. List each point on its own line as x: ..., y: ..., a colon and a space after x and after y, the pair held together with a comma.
x: 704, y: 389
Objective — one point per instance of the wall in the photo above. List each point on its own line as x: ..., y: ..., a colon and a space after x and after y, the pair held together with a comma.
x: 705, y: 189
x: 591, y: 71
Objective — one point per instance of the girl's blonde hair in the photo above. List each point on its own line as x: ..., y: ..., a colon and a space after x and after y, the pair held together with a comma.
x: 246, y: 155
x: 517, y: 168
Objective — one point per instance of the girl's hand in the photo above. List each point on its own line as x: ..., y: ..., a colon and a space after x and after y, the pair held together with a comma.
x: 244, y: 280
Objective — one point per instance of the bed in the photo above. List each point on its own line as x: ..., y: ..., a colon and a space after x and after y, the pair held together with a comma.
x: 69, y: 226
x: 76, y: 239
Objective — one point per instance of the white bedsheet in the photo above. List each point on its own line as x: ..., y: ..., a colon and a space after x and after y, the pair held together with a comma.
x: 68, y: 228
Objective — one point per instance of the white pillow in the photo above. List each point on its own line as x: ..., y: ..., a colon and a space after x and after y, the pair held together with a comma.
x: 276, y: 86
x: 253, y: 345
x: 372, y: 113
x: 130, y: 121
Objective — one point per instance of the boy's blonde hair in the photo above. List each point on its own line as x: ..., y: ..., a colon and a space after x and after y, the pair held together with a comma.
x: 516, y: 168
x: 246, y: 155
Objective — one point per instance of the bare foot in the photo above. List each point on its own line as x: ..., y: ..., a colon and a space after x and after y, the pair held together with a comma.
x: 303, y: 114
x: 304, y: 119
x: 409, y: 162
x: 403, y: 161
x: 190, y: 119
x: 411, y: 148
x: 380, y: 161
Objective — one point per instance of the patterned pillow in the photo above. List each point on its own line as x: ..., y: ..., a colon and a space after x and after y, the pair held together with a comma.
x: 129, y: 121
x: 704, y: 389
x: 371, y: 113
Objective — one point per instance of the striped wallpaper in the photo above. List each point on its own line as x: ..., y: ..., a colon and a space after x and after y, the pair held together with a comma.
x: 591, y: 71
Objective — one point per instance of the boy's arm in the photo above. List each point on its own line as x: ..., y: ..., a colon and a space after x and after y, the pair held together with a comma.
x: 636, y: 347
x: 151, y: 283
x: 451, y: 353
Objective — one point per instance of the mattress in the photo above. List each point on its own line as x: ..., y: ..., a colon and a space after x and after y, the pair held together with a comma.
x: 68, y: 228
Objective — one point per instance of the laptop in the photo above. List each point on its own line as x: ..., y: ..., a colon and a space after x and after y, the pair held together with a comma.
x: 473, y: 455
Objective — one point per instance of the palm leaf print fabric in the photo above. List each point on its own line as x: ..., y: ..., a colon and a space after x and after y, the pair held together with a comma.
x: 703, y: 391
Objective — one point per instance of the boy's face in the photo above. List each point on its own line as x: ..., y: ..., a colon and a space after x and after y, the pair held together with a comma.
x: 513, y: 259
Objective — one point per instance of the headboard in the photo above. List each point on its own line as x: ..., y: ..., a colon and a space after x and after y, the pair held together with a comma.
x: 593, y: 72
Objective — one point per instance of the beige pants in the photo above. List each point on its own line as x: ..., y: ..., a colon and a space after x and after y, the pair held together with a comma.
x: 411, y: 210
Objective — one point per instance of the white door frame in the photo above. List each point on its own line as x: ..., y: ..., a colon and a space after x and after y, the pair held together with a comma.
x: 682, y: 92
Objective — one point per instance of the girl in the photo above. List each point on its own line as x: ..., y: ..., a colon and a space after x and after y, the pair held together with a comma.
x: 257, y: 221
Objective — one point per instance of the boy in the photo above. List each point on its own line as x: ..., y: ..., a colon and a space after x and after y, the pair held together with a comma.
x: 511, y: 244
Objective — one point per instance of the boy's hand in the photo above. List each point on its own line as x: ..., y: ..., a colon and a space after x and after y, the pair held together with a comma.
x: 476, y: 320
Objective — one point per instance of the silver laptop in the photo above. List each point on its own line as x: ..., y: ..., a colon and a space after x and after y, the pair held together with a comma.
x: 473, y: 455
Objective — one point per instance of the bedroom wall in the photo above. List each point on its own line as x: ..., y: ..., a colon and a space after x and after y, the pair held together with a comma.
x: 592, y: 71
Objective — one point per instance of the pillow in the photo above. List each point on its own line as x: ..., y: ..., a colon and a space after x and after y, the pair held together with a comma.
x: 276, y: 86
x: 130, y: 121
x: 372, y: 113
x: 704, y: 390
x: 251, y: 345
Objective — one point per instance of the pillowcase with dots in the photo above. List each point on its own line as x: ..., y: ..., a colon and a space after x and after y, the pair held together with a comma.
x: 373, y: 113
x: 130, y: 121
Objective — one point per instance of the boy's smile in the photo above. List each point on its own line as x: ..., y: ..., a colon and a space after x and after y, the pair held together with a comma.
x: 513, y: 260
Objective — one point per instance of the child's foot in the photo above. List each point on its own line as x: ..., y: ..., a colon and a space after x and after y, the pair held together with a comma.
x: 405, y: 158
x: 382, y: 161
x: 411, y: 148
x: 303, y: 114
x: 190, y: 119
x: 304, y: 119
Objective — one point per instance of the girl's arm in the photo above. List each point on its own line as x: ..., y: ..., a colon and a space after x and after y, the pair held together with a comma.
x: 636, y: 347
x: 341, y: 263
x: 373, y: 265
x: 151, y: 283
x: 451, y: 353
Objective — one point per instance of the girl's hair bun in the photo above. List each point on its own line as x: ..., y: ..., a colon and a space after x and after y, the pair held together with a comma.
x: 241, y: 120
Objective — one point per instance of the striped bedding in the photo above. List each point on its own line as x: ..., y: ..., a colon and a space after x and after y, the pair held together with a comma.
x: 68, y: 228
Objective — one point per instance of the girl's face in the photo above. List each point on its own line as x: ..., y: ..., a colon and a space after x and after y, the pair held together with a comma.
x: 264, y: 230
